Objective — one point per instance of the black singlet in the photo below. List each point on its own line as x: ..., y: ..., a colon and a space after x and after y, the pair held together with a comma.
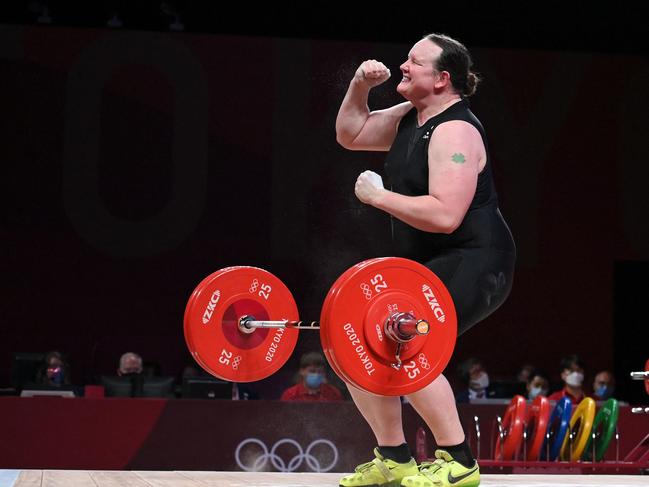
x: 476, y: 261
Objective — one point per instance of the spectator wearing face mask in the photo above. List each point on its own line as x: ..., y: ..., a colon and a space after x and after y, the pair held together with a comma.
x: 475, y: 377
x: 603, y: 385
x: 572, y: 375
x: 313, y: 384
x: 130, y: 364
x: 537, y: 385
x: 131, y: 368
x: 54, y: 371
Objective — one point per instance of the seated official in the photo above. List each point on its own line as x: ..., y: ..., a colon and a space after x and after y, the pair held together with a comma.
x: 572, y: 375
x: 537, y: 385
x: 54, y: 371
x: 603, y: 386
x: 313, y: 384
x: 475, y: 379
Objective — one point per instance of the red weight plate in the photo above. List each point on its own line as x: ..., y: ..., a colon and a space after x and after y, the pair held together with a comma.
x: 646, y: 381
x: 192, y: 299
x: 202, y: 286
x: 513, y: 425
x: 536, y: 422
x: 324, y: 337
x: 190, y: 303
x: 212, y: 324
x: 354, y: 314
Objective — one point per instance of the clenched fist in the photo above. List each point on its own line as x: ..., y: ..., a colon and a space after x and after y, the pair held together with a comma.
x: 369, y: 186
x: 372, y: 73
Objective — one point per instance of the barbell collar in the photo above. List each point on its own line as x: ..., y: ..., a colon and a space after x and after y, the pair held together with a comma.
x: 403, y: 327
x: 413, y: 327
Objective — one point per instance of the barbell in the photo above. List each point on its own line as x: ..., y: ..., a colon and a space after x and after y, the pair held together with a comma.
x: 387, y: 325
x: 642, y: 375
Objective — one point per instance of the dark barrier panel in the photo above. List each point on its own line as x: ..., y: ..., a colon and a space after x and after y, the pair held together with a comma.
x: 152, y: 434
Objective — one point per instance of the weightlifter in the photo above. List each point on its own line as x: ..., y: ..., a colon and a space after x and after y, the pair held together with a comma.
x: 445, y: 215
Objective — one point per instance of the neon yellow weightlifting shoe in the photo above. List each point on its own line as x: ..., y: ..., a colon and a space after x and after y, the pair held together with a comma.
x: 444, y: 472
x: 380, y: 472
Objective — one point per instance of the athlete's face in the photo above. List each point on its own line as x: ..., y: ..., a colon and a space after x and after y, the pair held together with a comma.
x: 419, y: 73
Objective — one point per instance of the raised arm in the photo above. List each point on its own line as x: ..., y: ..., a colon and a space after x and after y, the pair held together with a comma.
x: 356, y: 127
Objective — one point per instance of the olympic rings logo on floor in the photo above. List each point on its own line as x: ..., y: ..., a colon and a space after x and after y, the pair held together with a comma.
x: 280, y: 464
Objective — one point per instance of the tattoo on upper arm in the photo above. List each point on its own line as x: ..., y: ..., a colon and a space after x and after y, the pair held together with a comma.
x: 458, y: 158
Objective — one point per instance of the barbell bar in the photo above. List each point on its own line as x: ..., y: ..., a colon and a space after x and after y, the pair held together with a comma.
x: 400, y: 326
